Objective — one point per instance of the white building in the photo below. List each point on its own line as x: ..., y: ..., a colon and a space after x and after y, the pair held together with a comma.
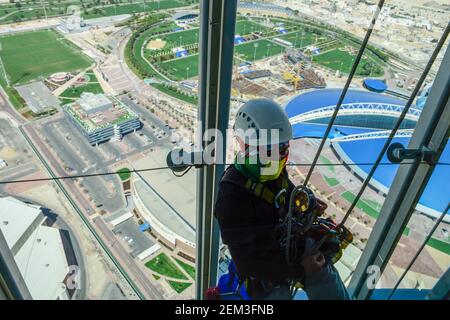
x: 37, y: 249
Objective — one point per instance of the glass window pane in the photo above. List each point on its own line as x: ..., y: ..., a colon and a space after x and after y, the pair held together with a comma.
x: 94, y: 95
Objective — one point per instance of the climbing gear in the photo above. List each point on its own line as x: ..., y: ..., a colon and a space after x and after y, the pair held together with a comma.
x: 304, y: 232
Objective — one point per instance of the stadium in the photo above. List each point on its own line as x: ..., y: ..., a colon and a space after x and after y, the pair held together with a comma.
x: 361, y: 128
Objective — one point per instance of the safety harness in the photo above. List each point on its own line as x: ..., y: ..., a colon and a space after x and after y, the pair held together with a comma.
x: 259, y: 189
x: 330, y: 238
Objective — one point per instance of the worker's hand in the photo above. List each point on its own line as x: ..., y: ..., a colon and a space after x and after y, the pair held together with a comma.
x: 319, y: 207
x: 313, y: 263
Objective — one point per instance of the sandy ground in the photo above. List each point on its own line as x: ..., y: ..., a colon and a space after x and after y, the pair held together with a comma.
x: 8, y: 153
x: 156, y: 44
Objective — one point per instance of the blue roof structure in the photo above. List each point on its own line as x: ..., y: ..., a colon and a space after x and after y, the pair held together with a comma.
x: 181, y: 53
x: 238, y: 39
x: 375, y: 85
x: 366, y: 149
x: 143, y: 227
x: 432, y: 202
x: 322, y: 98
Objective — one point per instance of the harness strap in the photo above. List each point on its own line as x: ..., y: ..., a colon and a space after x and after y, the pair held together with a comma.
x: 258, y: 188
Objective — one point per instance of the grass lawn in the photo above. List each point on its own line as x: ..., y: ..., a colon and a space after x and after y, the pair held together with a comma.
x: 339, y: 59
x: 245, y: 27
x: 76, y: 91
x: 264, y: 49
x: 299, y: 41
x: 124, y: 174
x: 136, y: 52
x: 331, y: 181
x: 172, y: 92
x: 374, y: 204
x: 349, y: 196
x: 366, y: 208
x: 30, y: 55
x: 326, y: 161
x: 178, y: 67
x: 439, y: 245
x: 163, y: 265
x: 187, y: 267
x: 181, y: 38
x: 179, y: 286
x: 132, y: 8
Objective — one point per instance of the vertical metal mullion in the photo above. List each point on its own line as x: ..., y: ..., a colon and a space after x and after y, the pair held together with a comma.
x: 11, y: 280
x: 441, y: 290
x: 216, y: 61
x: 432, y: 130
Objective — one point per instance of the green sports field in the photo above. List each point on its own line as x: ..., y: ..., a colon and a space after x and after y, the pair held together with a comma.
x: 28, y: 56
x: 303, y: 39
x: 342, y: 60
x: 245, y: 27
x: 264, y: 49
x: 181, y: 38
x: 178, y: 67
x: 9, y: 12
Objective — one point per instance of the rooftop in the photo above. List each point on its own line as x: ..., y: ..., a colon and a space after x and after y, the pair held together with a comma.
x: 38, y: 97
x: 99, y: 111
x: 177, y: 210
x: 41, y: 257
x: 91, y: 102
x: 16, y: 217
x: 42, y: 263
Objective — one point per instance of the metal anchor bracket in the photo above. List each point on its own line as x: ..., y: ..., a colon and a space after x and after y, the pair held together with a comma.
x: 396, y: 153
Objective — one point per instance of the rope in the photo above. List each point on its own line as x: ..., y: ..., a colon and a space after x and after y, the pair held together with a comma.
x: 197, y: 165
x: 344, y: 91
x: 399, y: 121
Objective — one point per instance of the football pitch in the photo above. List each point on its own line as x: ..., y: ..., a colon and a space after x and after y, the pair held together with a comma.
x: 256, y: 50
x: 342, y: 60
x: 181, y: 38
x: 178, y: 68
x: 301, y: 39
x: 245, y: 27
x: 28, y: 56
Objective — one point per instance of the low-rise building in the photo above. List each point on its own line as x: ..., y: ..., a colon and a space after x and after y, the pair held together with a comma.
x: 102, y: 117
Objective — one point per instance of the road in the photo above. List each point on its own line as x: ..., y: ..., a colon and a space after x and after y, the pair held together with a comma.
x: 117, y: 250
x: 124, y: 257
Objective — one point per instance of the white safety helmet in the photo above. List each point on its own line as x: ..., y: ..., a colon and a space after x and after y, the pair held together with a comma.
x: 264, y: 114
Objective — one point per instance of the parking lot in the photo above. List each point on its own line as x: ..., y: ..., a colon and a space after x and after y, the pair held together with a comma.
x: 128, y: 231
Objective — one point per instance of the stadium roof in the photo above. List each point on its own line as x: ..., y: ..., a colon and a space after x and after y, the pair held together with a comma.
x: 329, y: 97
x: 322, y: 98
x: 177, y: 210
x: 39, y: 252
x: 43, y: 264
x: 432, y: 201
x: 16, y: 217
x: 184, y: 15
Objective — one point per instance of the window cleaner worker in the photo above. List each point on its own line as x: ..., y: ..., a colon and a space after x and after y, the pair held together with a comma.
x: 249, y: 204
